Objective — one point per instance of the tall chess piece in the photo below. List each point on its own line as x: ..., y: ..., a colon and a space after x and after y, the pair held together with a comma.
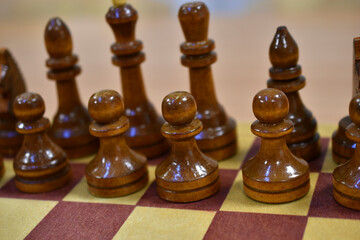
x: 11, y: 85
x: 186, y: 175
x: 40, y: 165
x: 70, y: 128
x: 218, y: 138
x: 346, y: 177
x: 285, y: 75
x: 144, y: 134
x: 116, y: 170
x: 274, y: 175
x: 343, y: 147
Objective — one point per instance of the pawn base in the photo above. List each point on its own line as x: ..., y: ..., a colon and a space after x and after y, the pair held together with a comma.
x: 308, y: 150
x: 346, y: 196
x: 205, y: 189
x: 222, y: 153
x: 342, y: 147
x: 277, y: 192
x: 82, y: 150
x: 117, y: 187
x: 33, y: 185
x: 154, y: 150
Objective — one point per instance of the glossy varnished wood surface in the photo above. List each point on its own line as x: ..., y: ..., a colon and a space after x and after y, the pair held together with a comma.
x: 116, y: 170
x: 342, y: 147
x: 70, y: 127
x: 285, y: 75
x: 144, y: 135
x: 11, y: 85
x: 274, y: 175
x: 40, y: 165
x: 346, y: 177
x: 218, y: 138
x: 186, y: 175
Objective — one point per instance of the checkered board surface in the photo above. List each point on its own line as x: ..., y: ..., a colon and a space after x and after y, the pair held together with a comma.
x: 72, y: 213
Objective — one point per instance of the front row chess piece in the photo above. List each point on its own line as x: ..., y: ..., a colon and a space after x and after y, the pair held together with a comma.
x: 186, y: 175
x: 346, y: 177
x: 274, y: 175
x: 40, y: 165
x: 116, y: 170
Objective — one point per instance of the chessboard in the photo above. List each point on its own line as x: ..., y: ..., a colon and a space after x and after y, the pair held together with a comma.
x: 72, y: 213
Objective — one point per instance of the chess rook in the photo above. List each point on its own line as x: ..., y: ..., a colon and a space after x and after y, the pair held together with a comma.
x: 144, y: 134
x: 285, y: 75
x: 40, y: 165
x: 346, y: 177
x: 218, y: 138
x: 186, y: 175
x: 70, y: 128
x: 116, y: 170
x: 274, y: 175
x: 11, y: 85
x: 342, y: 147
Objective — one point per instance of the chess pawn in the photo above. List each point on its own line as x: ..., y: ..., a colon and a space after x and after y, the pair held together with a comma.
x: 2, y: 168
x: 346, y: 177
x: 274, y: 175
x: 342, y: 147
x: 218, y: 139
x: 116, y: 170
x: 70, y: 128
x: 285, y: 75
x: 11, y: 85
x: 144, y: 135
x: 186, y: 175
x: 40, y: 165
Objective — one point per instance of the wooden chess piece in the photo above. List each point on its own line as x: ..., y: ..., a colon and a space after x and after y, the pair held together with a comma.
x: 144, y: 134
x: 285, y: 75
x: 186, y: 175
x: 274, y: 175
x: 2, y: 168
x: 218, y: 138
x: 342, y: 147
x: 70, y: 128
x: 346, y: 177
x: 116, y: 170
x: 40, y: 165
x: 11, y: 85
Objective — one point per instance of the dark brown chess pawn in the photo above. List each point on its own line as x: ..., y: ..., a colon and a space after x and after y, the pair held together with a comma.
x: 342, y: 147
x: 186, y: 175
x: 218, y: 138
x: 2, y: 168
x: 346, y: 177
x: 144, y: 134
x: 40, y: 165
x: 116, y: 170
x: 70, y: 128
x: 285, y: 75
x: 11, y: 85
x: 274, y: 175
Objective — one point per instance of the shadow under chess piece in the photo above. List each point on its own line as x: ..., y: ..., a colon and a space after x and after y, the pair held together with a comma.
x: 11, y: 85
x: 274, y: 175
x: 40, y: 165
x: 186, y: 175
x: 343, y: 147
x: 70, y: 127
x: 218, y: 139
x: 346, y: 177
x: 144, y: 134
x: 285, y: 75
x: 116, y: 170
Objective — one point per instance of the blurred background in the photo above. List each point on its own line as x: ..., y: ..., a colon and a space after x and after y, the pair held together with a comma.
x: 242, y: 30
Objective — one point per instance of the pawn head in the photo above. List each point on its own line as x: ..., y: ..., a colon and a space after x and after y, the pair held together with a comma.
x: 29, y: 107
x: 179, y: 108
x: 354, y: 110
x: 283, y: 52
x: 106, y: 106
x: 58, y: 40
x: 270, y: 106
